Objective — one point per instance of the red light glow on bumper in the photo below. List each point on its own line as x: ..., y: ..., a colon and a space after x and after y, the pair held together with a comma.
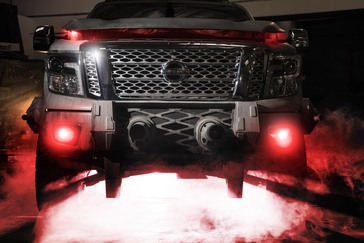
x: 283, y: 137
x: 66, y: 134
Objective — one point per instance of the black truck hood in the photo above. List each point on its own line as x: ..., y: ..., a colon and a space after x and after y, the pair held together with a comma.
x: 173, y: 23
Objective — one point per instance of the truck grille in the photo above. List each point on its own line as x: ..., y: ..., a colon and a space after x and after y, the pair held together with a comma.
x: 210, y: 73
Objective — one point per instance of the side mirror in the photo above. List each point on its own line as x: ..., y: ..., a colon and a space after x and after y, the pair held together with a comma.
x: 43, y: 38
x: 298, y: 38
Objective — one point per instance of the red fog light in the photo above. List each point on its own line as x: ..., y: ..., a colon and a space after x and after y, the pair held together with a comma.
x: 66, y: 134
x: 283, y: 137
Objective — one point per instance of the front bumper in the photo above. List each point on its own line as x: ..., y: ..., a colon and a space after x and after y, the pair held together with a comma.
x: 134, y: 129
x: 197, y: 127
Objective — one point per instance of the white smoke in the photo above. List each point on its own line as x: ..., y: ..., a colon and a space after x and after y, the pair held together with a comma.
x: 336, y: 149
x: 17, y: 203
x: 161, y: 208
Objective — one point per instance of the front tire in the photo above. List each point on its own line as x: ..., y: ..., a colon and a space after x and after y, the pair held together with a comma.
x: 295, y: 163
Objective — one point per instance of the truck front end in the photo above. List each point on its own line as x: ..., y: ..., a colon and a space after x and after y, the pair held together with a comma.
x: 123, y: 94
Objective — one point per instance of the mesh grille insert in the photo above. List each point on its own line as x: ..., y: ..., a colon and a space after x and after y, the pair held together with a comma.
x: 177, y: 125
x: 212, y: 72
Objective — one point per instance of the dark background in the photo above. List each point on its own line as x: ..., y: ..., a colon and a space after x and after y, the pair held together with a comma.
x: 334, y: 61
x: 9, y: 30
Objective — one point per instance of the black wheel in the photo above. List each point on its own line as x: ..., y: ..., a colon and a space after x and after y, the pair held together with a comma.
x: 295, y: 163
x: 47, y: 171
x: 234, y: 176
x: 299, y: 170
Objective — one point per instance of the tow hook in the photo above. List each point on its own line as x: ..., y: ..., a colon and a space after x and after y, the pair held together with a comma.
x: 141, y: 131
x: 210, y: 133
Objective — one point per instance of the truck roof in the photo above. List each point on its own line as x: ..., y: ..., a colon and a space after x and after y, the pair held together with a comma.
x: 226, y: 1
x: 110, y: 10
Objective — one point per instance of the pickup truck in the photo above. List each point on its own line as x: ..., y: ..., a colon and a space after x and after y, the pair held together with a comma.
x: 198, y: 88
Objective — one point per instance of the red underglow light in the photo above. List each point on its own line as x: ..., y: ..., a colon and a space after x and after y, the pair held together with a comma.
x: 64, y: 135
x: 283, y: 137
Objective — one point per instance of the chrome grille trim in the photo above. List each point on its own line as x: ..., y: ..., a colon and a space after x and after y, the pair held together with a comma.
x: 256, y: 75
x: 91, y: 74
x: 136, y: 72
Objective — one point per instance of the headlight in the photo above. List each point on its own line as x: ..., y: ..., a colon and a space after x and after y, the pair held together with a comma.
x: 282, y: 75
x: 64, y: 74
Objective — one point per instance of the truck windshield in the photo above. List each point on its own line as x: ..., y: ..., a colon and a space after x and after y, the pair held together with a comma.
x: 118, y: 10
